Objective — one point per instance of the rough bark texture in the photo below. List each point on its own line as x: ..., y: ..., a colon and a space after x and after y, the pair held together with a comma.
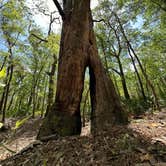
x: 78, y: 50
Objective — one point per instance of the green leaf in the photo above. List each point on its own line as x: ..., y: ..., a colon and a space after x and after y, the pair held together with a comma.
x: 2, y: 73
x: 19, y: 123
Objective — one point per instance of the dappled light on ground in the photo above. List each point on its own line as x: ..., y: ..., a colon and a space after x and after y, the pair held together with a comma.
x: 86, y: 130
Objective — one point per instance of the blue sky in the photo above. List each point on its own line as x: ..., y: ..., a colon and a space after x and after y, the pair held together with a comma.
x: 42, y: 20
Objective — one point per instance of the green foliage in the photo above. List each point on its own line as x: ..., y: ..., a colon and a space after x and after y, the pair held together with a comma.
x: 145, y: 28
x: 21, y: 122
x: 53, y: 43
x: 144, y: 23
x: 138, y: 106
x: 2, y: 73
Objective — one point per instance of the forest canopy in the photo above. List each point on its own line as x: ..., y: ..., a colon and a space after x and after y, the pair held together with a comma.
x: 131, y: 43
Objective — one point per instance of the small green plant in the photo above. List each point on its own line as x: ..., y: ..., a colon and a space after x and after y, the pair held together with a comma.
x: 19, y: 123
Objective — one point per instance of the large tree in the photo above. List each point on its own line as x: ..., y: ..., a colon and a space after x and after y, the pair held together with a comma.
x: 77, y: 52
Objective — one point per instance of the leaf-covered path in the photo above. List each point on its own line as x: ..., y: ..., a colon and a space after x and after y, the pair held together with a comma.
x: 143, y: 142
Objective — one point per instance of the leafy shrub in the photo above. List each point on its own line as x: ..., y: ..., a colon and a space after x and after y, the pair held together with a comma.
x: 138, y: 106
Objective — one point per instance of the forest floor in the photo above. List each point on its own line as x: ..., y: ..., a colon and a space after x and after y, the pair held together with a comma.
x: 141, y: 143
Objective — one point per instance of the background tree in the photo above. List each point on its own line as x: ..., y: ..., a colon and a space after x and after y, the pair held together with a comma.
x: 130, y: 22
x: 25, y: 62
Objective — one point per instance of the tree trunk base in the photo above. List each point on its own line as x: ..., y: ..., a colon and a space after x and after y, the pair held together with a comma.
x: 61, y: 124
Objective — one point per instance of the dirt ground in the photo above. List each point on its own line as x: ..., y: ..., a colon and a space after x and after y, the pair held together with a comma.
x: 141, y: 143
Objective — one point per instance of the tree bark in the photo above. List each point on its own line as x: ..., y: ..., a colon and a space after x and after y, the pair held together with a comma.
x: 78, y: 51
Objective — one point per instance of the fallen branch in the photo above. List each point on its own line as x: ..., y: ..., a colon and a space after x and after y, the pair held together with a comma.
x: 50, y: 137
x: 11, y: 151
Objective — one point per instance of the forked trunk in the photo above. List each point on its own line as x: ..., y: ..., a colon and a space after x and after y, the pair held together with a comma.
x: 78, y: 51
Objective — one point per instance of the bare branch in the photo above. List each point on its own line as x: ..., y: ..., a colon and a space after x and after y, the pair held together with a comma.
x: 39, y: 38
x: 3, y: 5
x: 60, y: 10
x: 116, y: 71
x: 159, y: 5
x: 16, y: 39
x: 52, y: 20
x: 3, y: 64
x: 101, y: 20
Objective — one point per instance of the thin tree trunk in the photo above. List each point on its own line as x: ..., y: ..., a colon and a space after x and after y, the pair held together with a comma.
x: 51, y: 84
x: 140, y: 64
x: 116, y: 84
x: 3, y: 64
x: 36, y: 81
x: 84, y: 106
x: 117, y: 56
x: 34, y: 101
x: 6, y: 94
x: 29, y: 101
x: 4, y: 89
x: 2, y: 99
x: 138, y: 76
x: 11, y: 101
x: 19, y: 103
x: 7, y: 85
x: 44, y: 98
x: 124, y: 85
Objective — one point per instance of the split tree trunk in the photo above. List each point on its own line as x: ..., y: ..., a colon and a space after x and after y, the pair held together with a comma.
x: 78, y: 51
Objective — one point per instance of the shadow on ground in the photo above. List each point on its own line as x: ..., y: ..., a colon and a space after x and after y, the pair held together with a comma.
x: 141, y: 143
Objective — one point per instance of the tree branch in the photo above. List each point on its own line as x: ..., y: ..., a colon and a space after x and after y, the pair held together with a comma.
x: 51, y: 22
x: 101, y: 20
x: 16, y: 39
x: 3, y: 5
x: 159, y: 5
x: 39, y: 38
x: 116, y: 71
x: 60, y: 10
x: 3, y: 64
